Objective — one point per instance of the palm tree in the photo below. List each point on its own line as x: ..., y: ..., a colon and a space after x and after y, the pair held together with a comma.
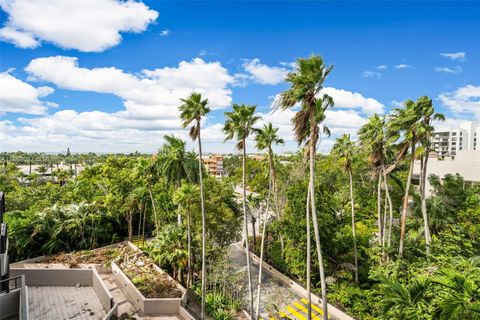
x: 147, y: 170
x: 192, y: 110
x: 265, y: 138
x: 177, y: 164
x: 428, y: 114
x: 404, y: 301
x: 344, y: 149
x: 376, y: 140
x: 408, y: 121
x: 306, y: 82
x: 169, y: 249
x: 239, y: 125
x: 254, y: 206
x: 462, y: 300
x: 184, y: 197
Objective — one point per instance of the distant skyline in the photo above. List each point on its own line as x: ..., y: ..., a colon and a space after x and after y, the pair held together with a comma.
x: 107, y: 75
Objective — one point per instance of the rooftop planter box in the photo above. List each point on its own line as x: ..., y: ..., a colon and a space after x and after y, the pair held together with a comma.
x: 85, y: 259
x: 156, y: 293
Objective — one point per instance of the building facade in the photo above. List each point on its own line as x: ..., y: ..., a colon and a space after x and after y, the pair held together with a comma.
x: 447, y: 142
x: 466, y: 164
x: 214, y: 165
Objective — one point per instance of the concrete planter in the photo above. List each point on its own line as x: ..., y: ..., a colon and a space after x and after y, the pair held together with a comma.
x: 151, y: 306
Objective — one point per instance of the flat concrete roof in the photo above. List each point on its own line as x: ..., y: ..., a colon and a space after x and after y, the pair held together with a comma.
x: 59, y: 302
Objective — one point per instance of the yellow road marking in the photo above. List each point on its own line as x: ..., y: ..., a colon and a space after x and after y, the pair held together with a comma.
x: 295, y: 313
x: 304, y: 309
x: 314, y: 307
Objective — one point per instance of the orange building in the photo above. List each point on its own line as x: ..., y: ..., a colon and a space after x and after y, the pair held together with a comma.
x: 214, y: 165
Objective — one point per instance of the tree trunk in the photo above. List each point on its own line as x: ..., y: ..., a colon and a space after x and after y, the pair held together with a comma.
x: 143, y: 227
x: 309, y: 258
x: 282, y: 245
x: 262, y: 244
x: 390, y: 207
x: 403, y: 222
x: 315, y: 218
x: 157, y: 227
x: 245, y: 221
x: 140, y: 219
x: 254, y: 237
x: 189, y: 248
x: 353, y: 226
x: 379, y: 208
x: 130, y: 226
x: 204, y: 234
x: 423, y: 200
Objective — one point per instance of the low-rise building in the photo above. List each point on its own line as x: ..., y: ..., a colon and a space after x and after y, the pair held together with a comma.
x: 465, y: 163
x: 214, y: 165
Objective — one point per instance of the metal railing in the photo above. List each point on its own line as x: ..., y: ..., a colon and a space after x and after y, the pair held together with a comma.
x: 18, y: 282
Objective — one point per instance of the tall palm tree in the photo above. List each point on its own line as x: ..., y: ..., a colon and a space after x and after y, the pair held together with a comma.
x: 344, y: 149
x: 193, y: 110
x: 376, y: 140
x: 306, y: 82
x: 148, y: 170
x: 254, y: 206
x: 408, y: 121
x: 265, y: 138
x: 428, y: 114
x: 239, y: 125
x: 177, y: 164
x: 184, y: 198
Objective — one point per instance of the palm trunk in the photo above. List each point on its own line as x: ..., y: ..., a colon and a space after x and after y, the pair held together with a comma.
x: 315, y: 218
x: 405, y: 202
x: 130, y: 226
x: 390, y: 207
x: 309, y: 258
x: 140, y: 219
x: 143, y: 227
x: 254, y: 237
x: 423, y: 181
x: 189, y: 248
x: 245, y: 220
x: 157, y: 227
x: 379, y: 208
x: 262, y: 245
x: 353, y: 226
x: 204, y: 234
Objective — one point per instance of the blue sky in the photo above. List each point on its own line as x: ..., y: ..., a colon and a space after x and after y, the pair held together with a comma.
x: 112, y: 84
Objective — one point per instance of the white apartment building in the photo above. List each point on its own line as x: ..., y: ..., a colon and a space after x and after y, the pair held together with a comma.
x: 466, y: 164
x: 448, y: 141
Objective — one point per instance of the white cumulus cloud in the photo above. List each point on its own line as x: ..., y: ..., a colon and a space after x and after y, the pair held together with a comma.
x: 21, y: 97
x: 464, y: 100
x: 352, y: 100
x: 150, y: 97
x: 90, y: 26
x: 149, y: 94
x: 264, y: 74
